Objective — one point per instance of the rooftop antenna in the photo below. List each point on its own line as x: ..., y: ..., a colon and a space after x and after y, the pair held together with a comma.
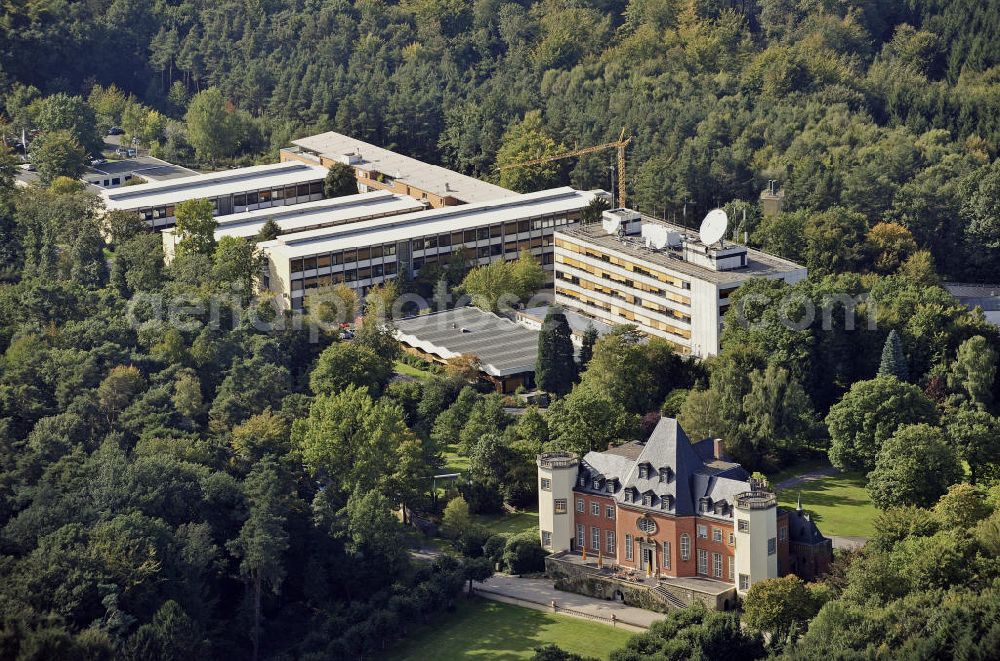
x: 746, y: 233
x: 713, y: 228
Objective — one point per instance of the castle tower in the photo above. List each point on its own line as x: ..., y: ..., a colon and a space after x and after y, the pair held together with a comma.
x: 557, y: 473
x: 756, y: 514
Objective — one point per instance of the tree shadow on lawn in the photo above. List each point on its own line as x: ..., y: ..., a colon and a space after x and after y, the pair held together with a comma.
x: 483, y: 629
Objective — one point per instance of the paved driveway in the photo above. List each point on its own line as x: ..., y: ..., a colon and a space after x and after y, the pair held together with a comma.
x: 539, y: 593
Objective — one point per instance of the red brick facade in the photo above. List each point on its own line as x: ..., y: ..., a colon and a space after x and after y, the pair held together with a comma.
x: 591, y: 521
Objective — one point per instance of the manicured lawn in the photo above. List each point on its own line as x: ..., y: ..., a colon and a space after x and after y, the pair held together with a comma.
x: 453, y: 461
x: 514, y: 523
x: 481, y: 629
x: 410, y: 370
x: 839, y: 504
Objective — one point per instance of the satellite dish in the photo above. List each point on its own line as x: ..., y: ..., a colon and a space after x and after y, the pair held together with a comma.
x: 611, y: 225
x: 713, y: 228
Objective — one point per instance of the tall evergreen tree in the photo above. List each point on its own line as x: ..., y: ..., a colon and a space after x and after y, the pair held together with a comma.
x: 893, y: 359
x: 555, y: 369
x: 587, y: 350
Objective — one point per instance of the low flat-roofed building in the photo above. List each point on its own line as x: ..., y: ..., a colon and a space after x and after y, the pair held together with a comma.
x: 328, y: 212
x: 983, y: 296
x: 533, y: 318
x: 369, y: 252
x: 113, y: 174
x: 506, y: 350
x: 378, y: 168
x: 230, y: 191
x: 679, y: 292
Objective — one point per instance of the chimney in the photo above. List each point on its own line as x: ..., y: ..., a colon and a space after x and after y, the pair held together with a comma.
x: 718, y: 449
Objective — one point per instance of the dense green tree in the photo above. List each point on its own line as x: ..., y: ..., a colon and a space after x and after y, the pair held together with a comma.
x: 486, y: 416
x: 587, y: 346
x: 555, y: 368
x: 962, y: 507
x: 345, y: 364
x: 61, y: 112
x: 893, y: 361
x: 58, y: 154
x: 913, y: 467
x: 263, y: 540
x: 269, y: 231
x: 588, y: 419
x: 976, y: 435
x: 238, y: 264
x: 974, y: 371
x: 212, y: 127
x: 195, y: 227
x: 868, y: 415
x: 525, y: 141
x: 694, y: 633
x: 780, y: 608
x: 340, y: 181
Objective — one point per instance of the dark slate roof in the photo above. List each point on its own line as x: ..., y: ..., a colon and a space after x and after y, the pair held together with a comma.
x: 668, y: 447
x: 691, y: 477
x: 802, y: 529
x: 721, y: 494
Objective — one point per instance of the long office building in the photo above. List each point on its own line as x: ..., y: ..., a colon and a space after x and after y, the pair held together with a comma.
x: 679, y: 291
x: 230, y: 191
x: 365, y: 253
x: 328, y: 212
x: 377, y: 168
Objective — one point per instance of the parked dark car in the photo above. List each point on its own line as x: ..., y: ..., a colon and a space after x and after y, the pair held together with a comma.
x: 116, y: 130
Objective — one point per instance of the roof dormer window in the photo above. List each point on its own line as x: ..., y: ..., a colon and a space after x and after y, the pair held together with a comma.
x: 666, y: 502
x: 597, y: 484
x: 642, y: 471
x: 610, y: 486
x: 583, y: 479
x: 628, y: 495
x: 647, y: 499
x: 666, y: 474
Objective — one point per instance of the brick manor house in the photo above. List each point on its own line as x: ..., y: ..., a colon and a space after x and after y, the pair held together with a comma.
x: 673, y: 509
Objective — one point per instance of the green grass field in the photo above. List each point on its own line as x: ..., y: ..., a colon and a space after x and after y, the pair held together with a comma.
x: 409, y: 370
x: 513, y: 523
x: 453, y: 461
x: 481, y: 629
x: 839, y: 504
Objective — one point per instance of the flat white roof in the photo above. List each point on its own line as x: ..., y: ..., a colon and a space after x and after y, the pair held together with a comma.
x: 431, y: 178
x: 432, y: 221
x: 215, y: 184
x: 308, y: 215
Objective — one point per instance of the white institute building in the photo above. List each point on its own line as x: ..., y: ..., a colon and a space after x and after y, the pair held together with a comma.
x: 229, y: 191
x: 669, y: 281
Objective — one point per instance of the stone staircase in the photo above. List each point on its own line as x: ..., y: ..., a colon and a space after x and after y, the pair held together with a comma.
x: 667, y: 597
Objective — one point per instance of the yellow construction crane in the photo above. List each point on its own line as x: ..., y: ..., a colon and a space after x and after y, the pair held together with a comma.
x: 619, y: 144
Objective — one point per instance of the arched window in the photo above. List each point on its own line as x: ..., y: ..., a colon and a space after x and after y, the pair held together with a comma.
x: 685, y: 546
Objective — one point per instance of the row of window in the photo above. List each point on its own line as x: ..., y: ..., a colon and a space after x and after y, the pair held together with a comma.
x: 342, y: 258
x: 266, y: 197
x: 623, y: 282
x: 587, y: 285
x: 716, y: 570
x: 593, y: 253
x: 626, y: 314
x: 702, y: 532
x: 595, y: 539
x: 595, y: 508
x: 349, y: 275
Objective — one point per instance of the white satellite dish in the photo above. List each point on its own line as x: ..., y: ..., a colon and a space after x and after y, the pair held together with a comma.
x: 713, y: 228
x: 611, y: 225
